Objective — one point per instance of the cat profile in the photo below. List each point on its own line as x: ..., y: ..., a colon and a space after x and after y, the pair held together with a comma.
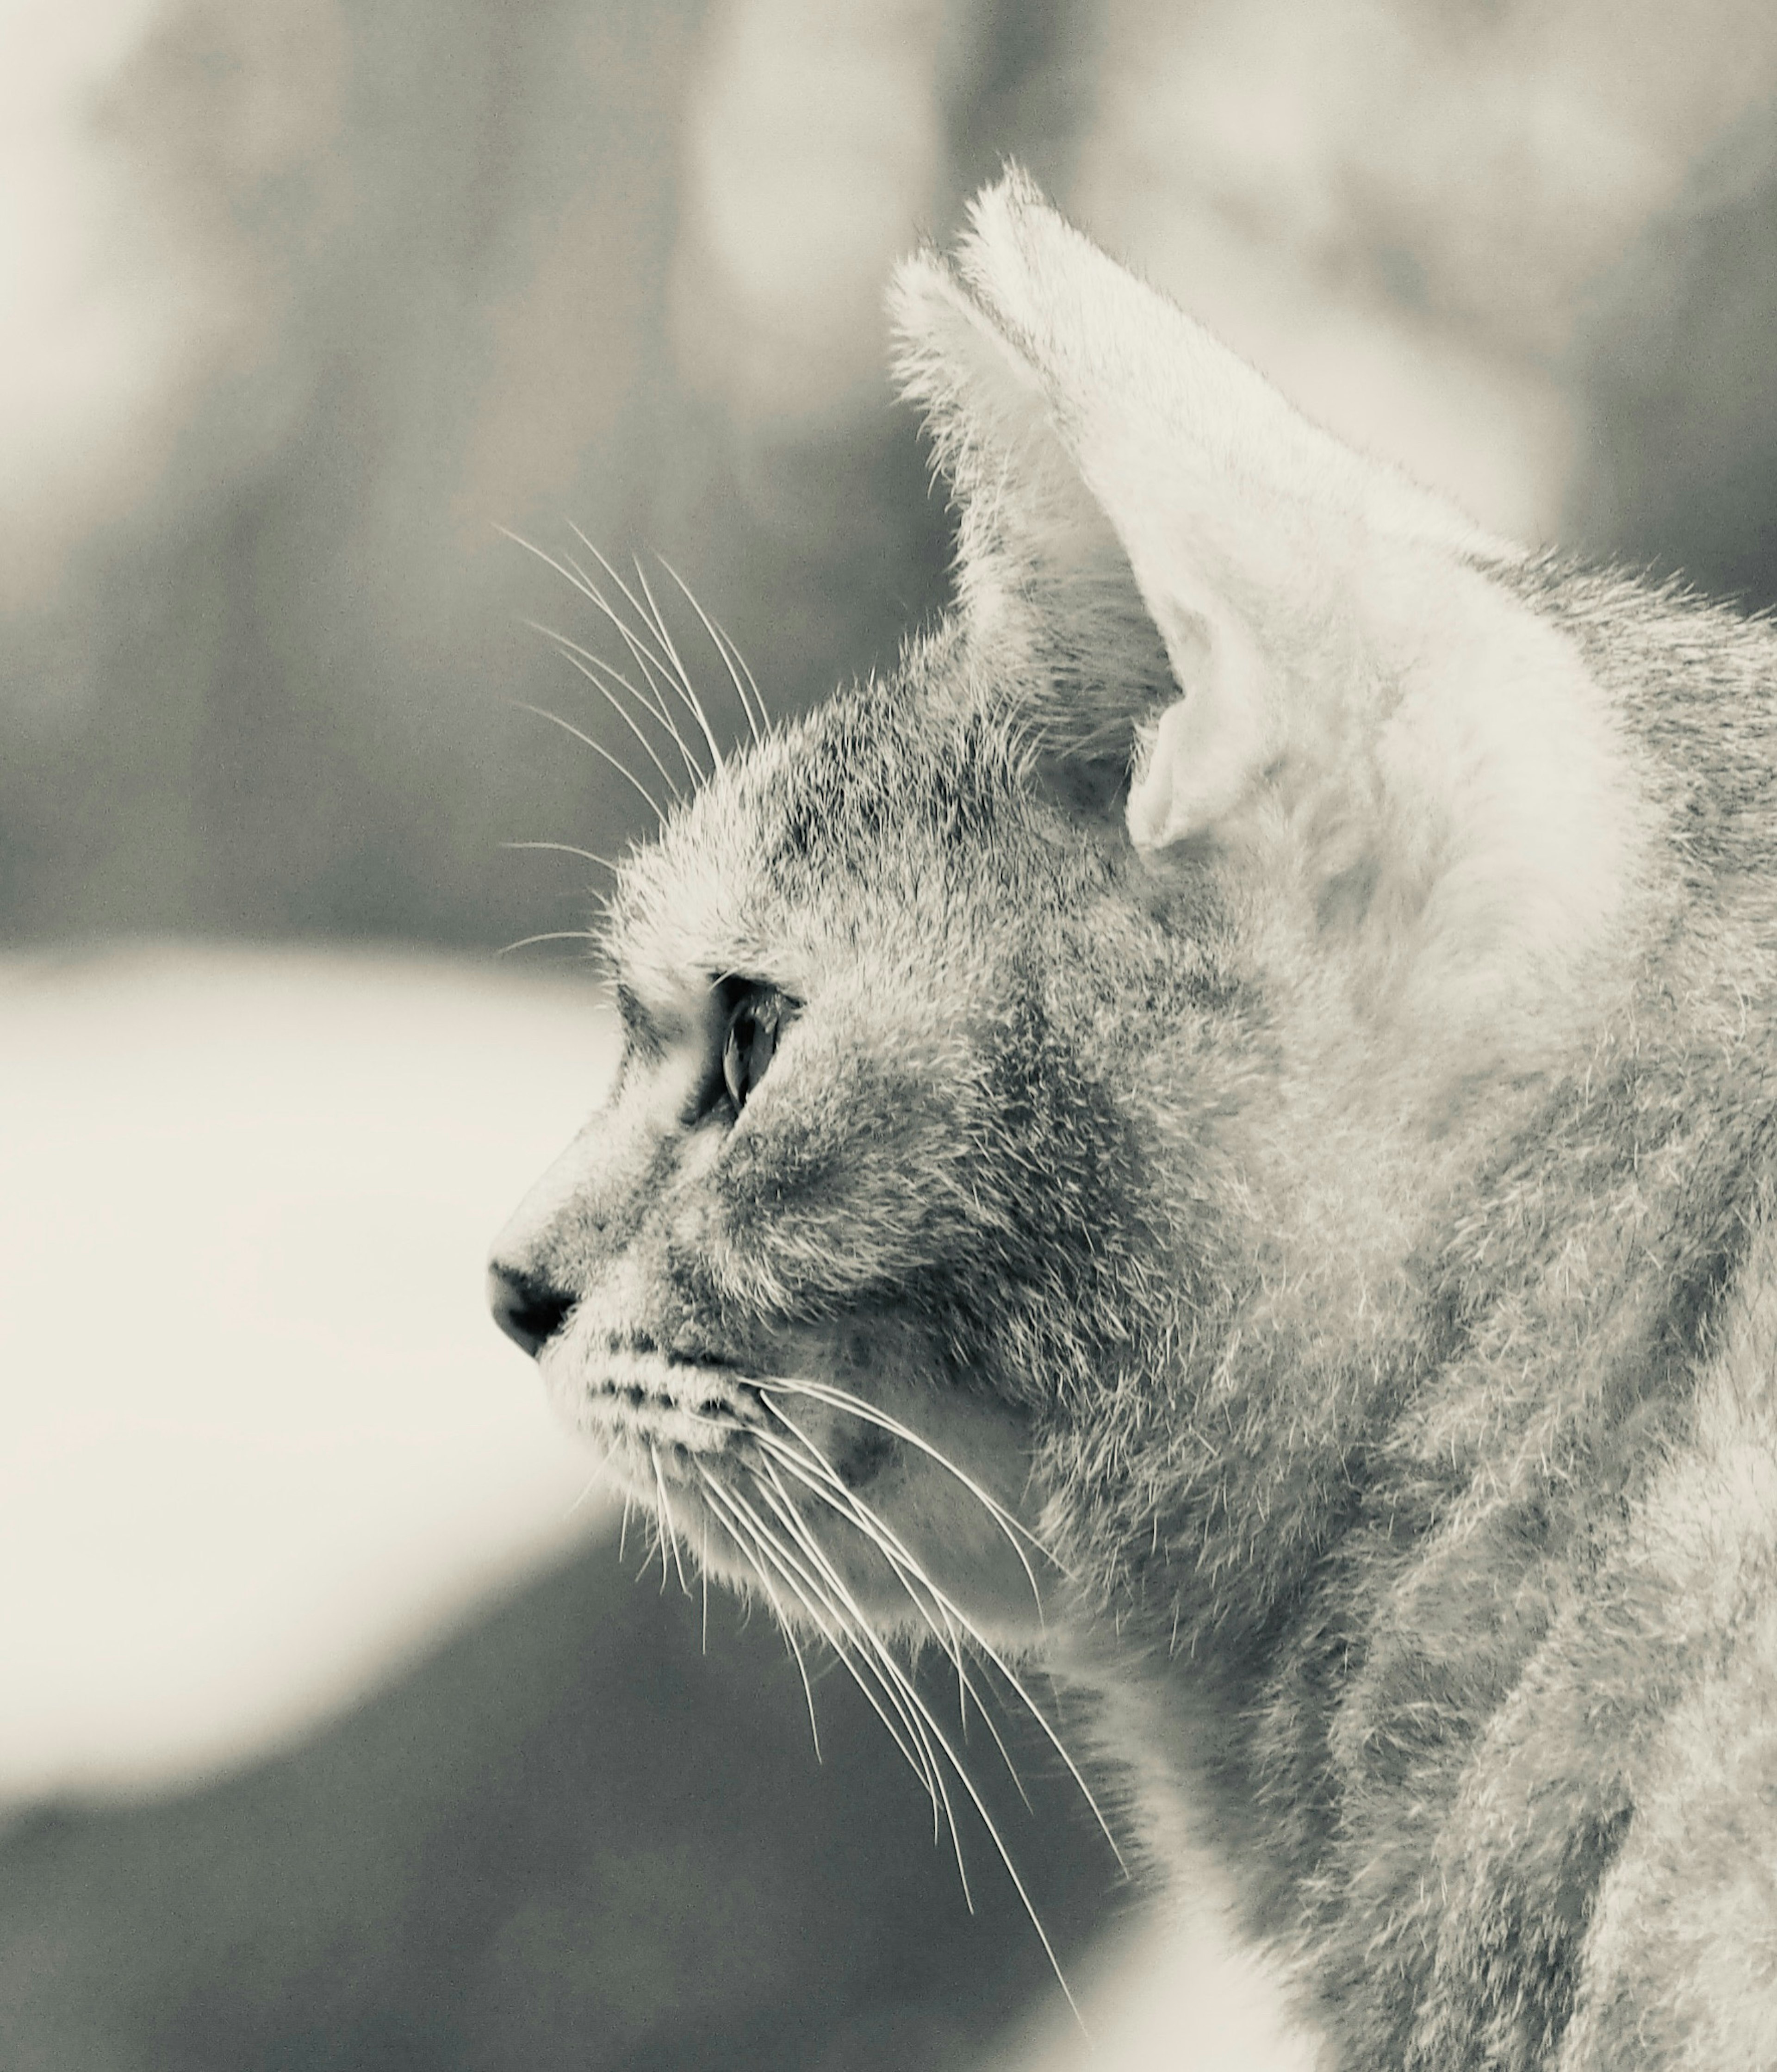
x: 1213, y: 1130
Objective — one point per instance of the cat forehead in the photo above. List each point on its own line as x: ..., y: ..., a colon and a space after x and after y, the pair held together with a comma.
x: 844, y: 823
x: 880, y: 771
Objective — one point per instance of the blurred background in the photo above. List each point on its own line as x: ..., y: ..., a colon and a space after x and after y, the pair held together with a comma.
x: 332, y: 1730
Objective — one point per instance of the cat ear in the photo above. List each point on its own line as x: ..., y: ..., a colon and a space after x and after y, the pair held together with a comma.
x: 1043, y: 579
x: 1148, y: 518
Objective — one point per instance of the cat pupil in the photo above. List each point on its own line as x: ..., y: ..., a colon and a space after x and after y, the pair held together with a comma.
x: 752, y: 1036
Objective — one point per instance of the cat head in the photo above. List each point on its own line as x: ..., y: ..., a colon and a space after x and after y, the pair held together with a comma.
x: 1013, y: 1046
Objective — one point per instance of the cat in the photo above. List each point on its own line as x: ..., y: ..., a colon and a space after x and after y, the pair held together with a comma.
x: 1214, y: 1131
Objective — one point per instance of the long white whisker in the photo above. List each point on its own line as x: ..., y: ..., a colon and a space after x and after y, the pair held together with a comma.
x: 566, y: 648
x: 951, y: 1639
x: 866, y: 1521
x: 896, y: 1686
x: 755, y: 1549
x: 655, y: 1545
x: 992, y: 1826
x: 572, y: 573
x: 669, y: 1535
x: 831, y: 1479
x: 1014, y: 1528
x: 846, y: 1504
x: 648, y: 698
x: 568, y: 573
x: 578, y: 579
x: 654, y: 670
x: 548, y: 935
x: 650, y: 655
x: 596, y: 1477
x: 598, y: 748
x: 918, y: 1587
x: 567, y: 848
x: 826, y: 1583
x: 719, y: 640
x: 752, y: 681
x: 827, y: 1484
x: 729, y: 648
x: 833, y: 1591
x: 662, y: 634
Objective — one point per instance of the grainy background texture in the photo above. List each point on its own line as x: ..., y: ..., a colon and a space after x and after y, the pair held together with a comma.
x: 306, y: 308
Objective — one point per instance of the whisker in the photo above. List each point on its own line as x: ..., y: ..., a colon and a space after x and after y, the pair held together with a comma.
x: 567, y: 650
x: 811, y: 1591
x: 753, y: 1550
x: 992, y: 1826
x: 669, y: 1536
x: 598, y: 748
x: 832, y: 1588
x: 549, y: 936
x: 567, y: 848
x: 888, y: 1673
x: 910, y: 1580
x: 655, y: 671
x: 831, y: 1482
x: 598, y: 1476
x: 908, y: 1568
x: 684, y: 691
x: 1014, y: 1528
x: 648, y: 698
x: 800, y: 1528
x: 927, y: 1598
x: 864, y: 1521
x: 732, y: 646
x: 720, y: 642
x: 662, y: 634
x: 577, y: 579
x: 655, y: 652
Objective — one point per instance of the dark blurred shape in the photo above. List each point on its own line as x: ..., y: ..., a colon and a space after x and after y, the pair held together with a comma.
x: 568, y: 1839
x: 1680, y: 368
x: 1017, y: 78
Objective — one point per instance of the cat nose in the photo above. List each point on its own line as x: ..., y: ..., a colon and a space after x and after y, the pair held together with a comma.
x: 527, y: 1310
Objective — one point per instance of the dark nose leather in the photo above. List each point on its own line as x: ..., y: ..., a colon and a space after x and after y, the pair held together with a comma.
x: 528, y: 1311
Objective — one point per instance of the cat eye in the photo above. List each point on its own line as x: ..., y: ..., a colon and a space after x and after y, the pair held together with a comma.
x: 753, y: 1027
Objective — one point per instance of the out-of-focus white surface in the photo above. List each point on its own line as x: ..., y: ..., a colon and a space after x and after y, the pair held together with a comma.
x: 1171, y: 1994
x: 258, y: 1432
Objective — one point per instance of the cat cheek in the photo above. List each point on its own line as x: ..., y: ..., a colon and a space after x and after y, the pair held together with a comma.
x: 729, y: 1255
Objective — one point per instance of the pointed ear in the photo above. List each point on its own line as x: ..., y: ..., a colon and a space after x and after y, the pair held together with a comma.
x: 1148, y: 518
x: 1043, y: 579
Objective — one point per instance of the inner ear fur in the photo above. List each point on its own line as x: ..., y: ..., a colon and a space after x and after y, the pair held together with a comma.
x: 1147, y: 529
x: 1044, y: 582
